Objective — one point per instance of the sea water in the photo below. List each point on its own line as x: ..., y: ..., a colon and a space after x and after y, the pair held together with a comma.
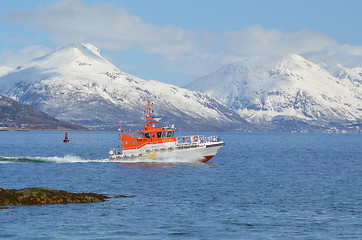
x: 259, y: 186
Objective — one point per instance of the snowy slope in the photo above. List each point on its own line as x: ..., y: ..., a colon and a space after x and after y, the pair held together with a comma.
x: 5, y: 70
x: 263, y: 89
x: 77, y: 84
x: 351, y: 78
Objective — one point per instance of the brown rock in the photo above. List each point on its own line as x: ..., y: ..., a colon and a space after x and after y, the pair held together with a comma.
x: 36, y: 196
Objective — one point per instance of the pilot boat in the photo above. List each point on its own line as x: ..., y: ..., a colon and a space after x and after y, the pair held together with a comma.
x: 160, y: 144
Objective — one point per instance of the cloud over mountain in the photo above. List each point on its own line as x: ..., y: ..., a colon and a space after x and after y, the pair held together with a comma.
x: 112, y: 27
x: 22, y: 56
x: 256, y: 40
x: 108, y: 26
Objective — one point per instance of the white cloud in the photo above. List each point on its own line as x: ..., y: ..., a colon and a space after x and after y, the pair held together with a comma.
x: 345, y: 55
x: 107, y: 26
x: 256, y: 40
x: 16, y: 58
x: 348, y: 49
x: 247, y: 42
x: 110, y: 27
x: 196, y: 64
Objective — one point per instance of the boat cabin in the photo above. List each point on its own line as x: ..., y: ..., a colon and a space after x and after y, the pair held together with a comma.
x: 149, y: 135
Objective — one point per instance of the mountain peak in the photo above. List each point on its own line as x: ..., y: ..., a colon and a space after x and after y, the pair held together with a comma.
x: 264, y: 88
x: 71, y: 60
x: 76, y: 54
x: 82, y: 48
x: 91, y: 47
x: 283, y: 63
x: 254, y: 74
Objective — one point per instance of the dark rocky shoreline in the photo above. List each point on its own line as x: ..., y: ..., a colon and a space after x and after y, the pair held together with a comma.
x: 40, y: 195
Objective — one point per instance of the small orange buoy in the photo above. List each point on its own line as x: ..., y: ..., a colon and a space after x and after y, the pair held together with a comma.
x: 66, y: 139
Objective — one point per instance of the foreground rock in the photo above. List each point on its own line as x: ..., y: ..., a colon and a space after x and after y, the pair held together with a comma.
x: 37, y: 196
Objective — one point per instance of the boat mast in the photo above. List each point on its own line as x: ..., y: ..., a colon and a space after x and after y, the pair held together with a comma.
x: 148, y: 114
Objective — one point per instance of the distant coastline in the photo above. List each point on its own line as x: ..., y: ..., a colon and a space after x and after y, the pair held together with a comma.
x: 42, y: 130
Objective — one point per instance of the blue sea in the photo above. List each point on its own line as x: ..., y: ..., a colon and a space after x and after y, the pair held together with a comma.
x: 259, y: 186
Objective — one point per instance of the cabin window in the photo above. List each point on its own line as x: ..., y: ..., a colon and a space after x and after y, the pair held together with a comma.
x: 134, y: 142
x: 159, y: 134
x: 126, y: 142
x: 170, y: 134
x: 147, y: 135
x: 164, y: 134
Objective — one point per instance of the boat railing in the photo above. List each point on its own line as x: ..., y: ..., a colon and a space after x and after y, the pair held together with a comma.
x: 197, y: 139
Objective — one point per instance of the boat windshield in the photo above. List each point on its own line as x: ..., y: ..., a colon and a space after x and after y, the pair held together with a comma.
x: 165, y: 134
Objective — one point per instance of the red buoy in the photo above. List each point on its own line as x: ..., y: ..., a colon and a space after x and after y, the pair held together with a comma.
x: 66, y: 139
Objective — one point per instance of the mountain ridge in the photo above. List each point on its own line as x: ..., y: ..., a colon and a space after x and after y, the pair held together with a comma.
x: 17, y: 116
x: 266, y: 90
x: 77, y: 84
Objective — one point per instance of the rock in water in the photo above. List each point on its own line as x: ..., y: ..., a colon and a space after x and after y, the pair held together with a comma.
x: 38, y: 195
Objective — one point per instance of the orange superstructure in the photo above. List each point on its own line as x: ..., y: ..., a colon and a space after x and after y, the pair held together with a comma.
x: 149, y: 135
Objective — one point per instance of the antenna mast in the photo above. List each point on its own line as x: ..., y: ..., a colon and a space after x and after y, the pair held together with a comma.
x: 148, y: 114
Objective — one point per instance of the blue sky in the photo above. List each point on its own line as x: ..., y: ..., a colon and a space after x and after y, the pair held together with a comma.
x: 178, y: 41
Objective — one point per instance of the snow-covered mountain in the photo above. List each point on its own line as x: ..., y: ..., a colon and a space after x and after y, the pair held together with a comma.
x: 77, y: 84
x: 351, y: 77
x: 275, y: 91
